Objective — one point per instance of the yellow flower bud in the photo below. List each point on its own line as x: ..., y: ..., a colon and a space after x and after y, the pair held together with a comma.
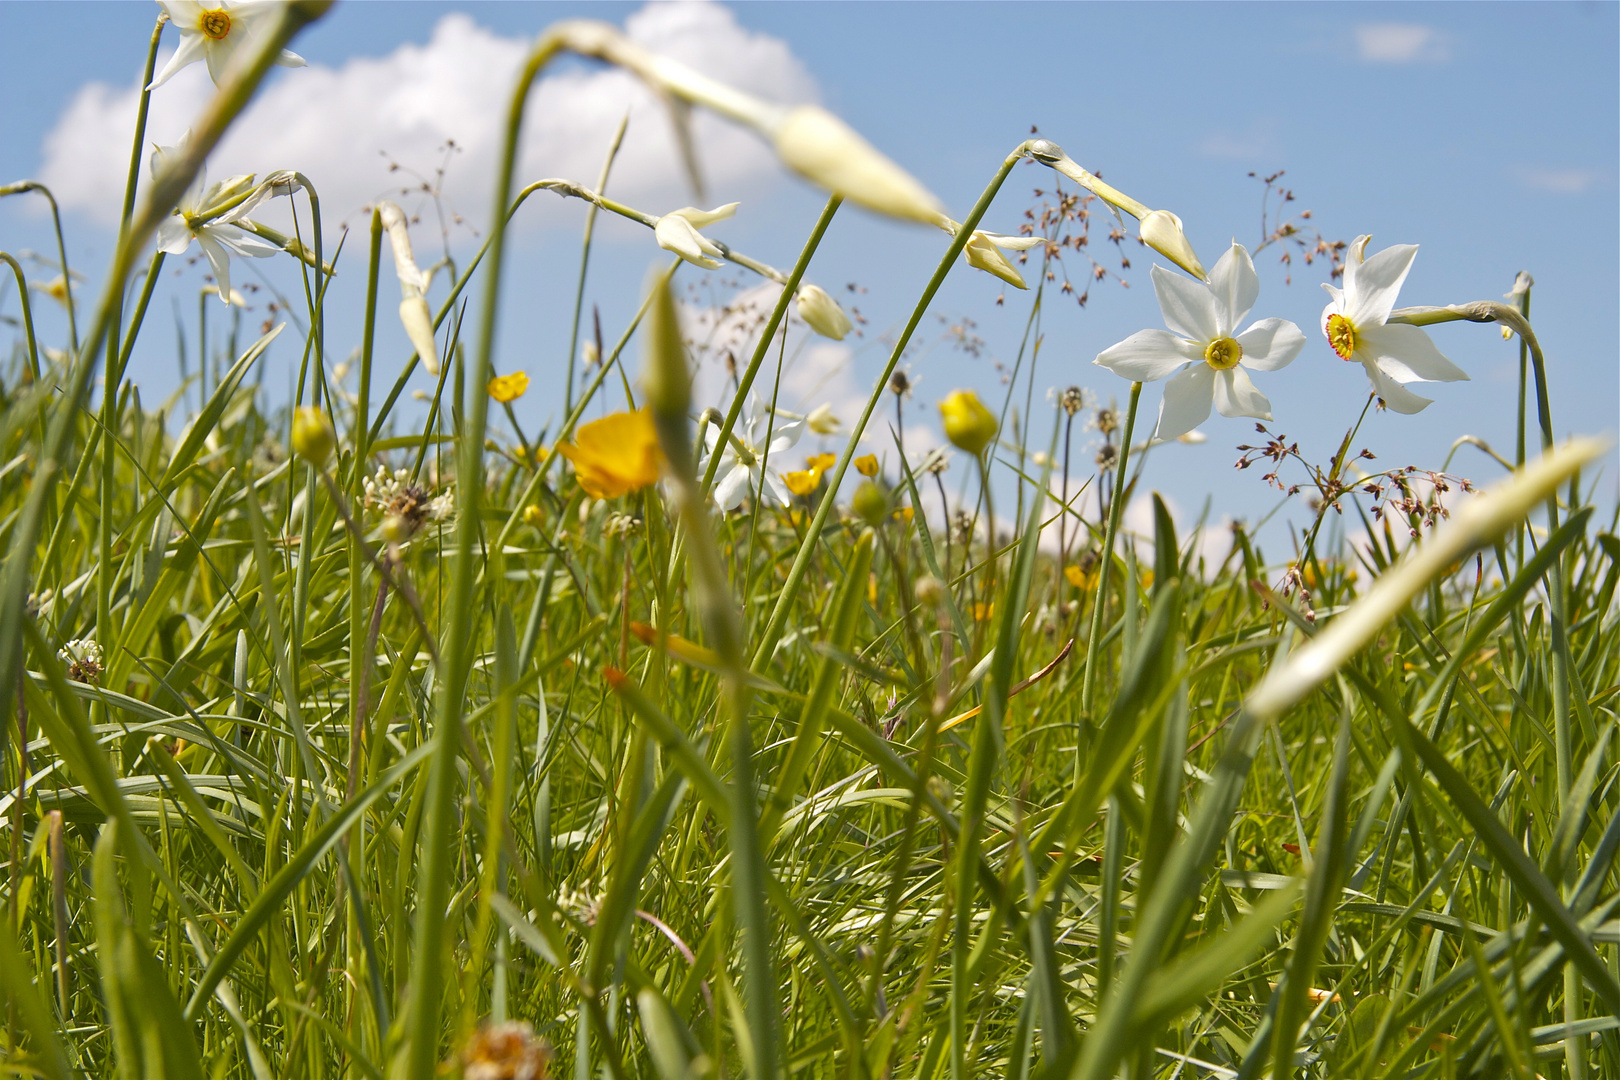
x: 312, y: 436
x: 867, y: 465
x: 532, y: 515
x: 968, y: 424
x: 870, y: 503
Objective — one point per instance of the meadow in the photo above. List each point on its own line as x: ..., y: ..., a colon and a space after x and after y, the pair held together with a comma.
x: 343, y: 741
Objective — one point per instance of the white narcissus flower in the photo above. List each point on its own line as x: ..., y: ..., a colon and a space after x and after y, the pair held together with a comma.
x: 984, y: 252
x: 748, y: 453
x: 822, y: 313
x: 1203, y: 322
x: 219, y: 237
x: 214, y: 32
x: 677, y: 231
x: 414, y: 312
x: 1356, y: 326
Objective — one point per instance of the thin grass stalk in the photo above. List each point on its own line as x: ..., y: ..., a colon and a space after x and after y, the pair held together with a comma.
x: 1106, y: 559
x: 114, y: 374
x: 778, y: 618
x: 22, y: 187
x: 27, y: 313
x: 766, y: 336
x: 585, y: 259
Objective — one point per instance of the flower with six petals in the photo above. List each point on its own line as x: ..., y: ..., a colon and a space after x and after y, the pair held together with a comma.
x: 219, y: 236
x: 1356, y: 325
x: 1203, y: 341
x: 745, y: 463
x: 215, y: 32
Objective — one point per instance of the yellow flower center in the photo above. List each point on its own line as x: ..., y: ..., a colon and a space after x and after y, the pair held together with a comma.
x: 216, y: 23
x: 1223, y: 353
x: 1341, y: 334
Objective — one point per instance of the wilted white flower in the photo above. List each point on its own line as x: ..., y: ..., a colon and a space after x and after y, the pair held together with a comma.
x: 215, y: 32
x: 1392, y: 353
x: 1203, y: 322
x: 749, y: 456
x: 822, y: 313
x: 984, y: 252
x: 677, y: 231
x: 219, y: 236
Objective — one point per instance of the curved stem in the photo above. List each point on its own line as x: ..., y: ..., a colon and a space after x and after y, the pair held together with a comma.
x: 28, y: 314
x: 784, y: 601
x: 585, y: 260
x: 1115, y: 508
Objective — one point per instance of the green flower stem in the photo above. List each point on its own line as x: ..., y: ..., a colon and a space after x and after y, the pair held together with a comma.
x: 1514, y: 317
x: 1115, y: 509
x: 105, y: 569
x: 27, y: 313
x: 422, y: 1012
x: 767, y: 335
x: 585, y: 260
x: 20, y: 188
x: 801, y: 562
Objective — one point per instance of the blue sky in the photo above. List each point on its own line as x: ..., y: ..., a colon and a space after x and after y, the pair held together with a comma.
x: 1487, y: 134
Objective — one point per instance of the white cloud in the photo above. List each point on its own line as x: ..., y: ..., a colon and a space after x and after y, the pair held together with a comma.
x: 335, y: 125
x: 1559, y: 181
x: 1401, y: 43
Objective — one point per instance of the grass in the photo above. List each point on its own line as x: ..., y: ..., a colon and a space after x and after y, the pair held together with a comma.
x: 771, y: 792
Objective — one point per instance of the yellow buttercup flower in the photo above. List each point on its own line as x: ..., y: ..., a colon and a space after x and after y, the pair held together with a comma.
x: 1080, y: 579
x: 802, y: 482
x: 983, y: 612
x: 508, y: 388
x: 968, y: 424
x: 615, y: 455
x: 821, y: 462
x: 867, y: 465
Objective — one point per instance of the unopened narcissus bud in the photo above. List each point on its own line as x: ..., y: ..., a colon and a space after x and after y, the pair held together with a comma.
x: 1161, y: 230
x: 413, y: 306
x: 312, y: 436
x: 820, y: 147
x: 822, y: 421
x: 870, y: 504
x: 984, y: 252
x: 968, y: 424
x: 677, y: 231
x: 822, y: 313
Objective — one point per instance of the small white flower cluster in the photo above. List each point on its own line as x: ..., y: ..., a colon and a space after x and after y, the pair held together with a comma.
x: 404, y: 504
x: 83, y: 659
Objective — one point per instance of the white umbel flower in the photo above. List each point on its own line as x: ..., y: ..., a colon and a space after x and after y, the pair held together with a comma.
x: 215, y: 32
x: 219, y: 237
x: 677, y: 231
x: 749, y: 455
x: 1203, y: 341
x: 1356, y: 325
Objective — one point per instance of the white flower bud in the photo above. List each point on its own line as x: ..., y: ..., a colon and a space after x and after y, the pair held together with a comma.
x: 822, y: 148
x: 418, y: 320
x: 1161, y: 231
x: 984, y: 252
x: 822, y: 313
x: 677, y: 231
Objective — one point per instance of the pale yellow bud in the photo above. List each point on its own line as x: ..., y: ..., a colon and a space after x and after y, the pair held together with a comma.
x: 822, y: 148
x: 822, y: 313
x: 312, y: 435
x: 418, y: 320
x: 1161, y: 231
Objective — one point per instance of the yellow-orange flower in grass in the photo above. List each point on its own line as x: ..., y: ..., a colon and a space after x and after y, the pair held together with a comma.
x: 809, y: 478
x: 508, y: 388
x: 615, y: 455
x: 867, y: 465
x: 968, y: 424
x: 1079, y: 578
